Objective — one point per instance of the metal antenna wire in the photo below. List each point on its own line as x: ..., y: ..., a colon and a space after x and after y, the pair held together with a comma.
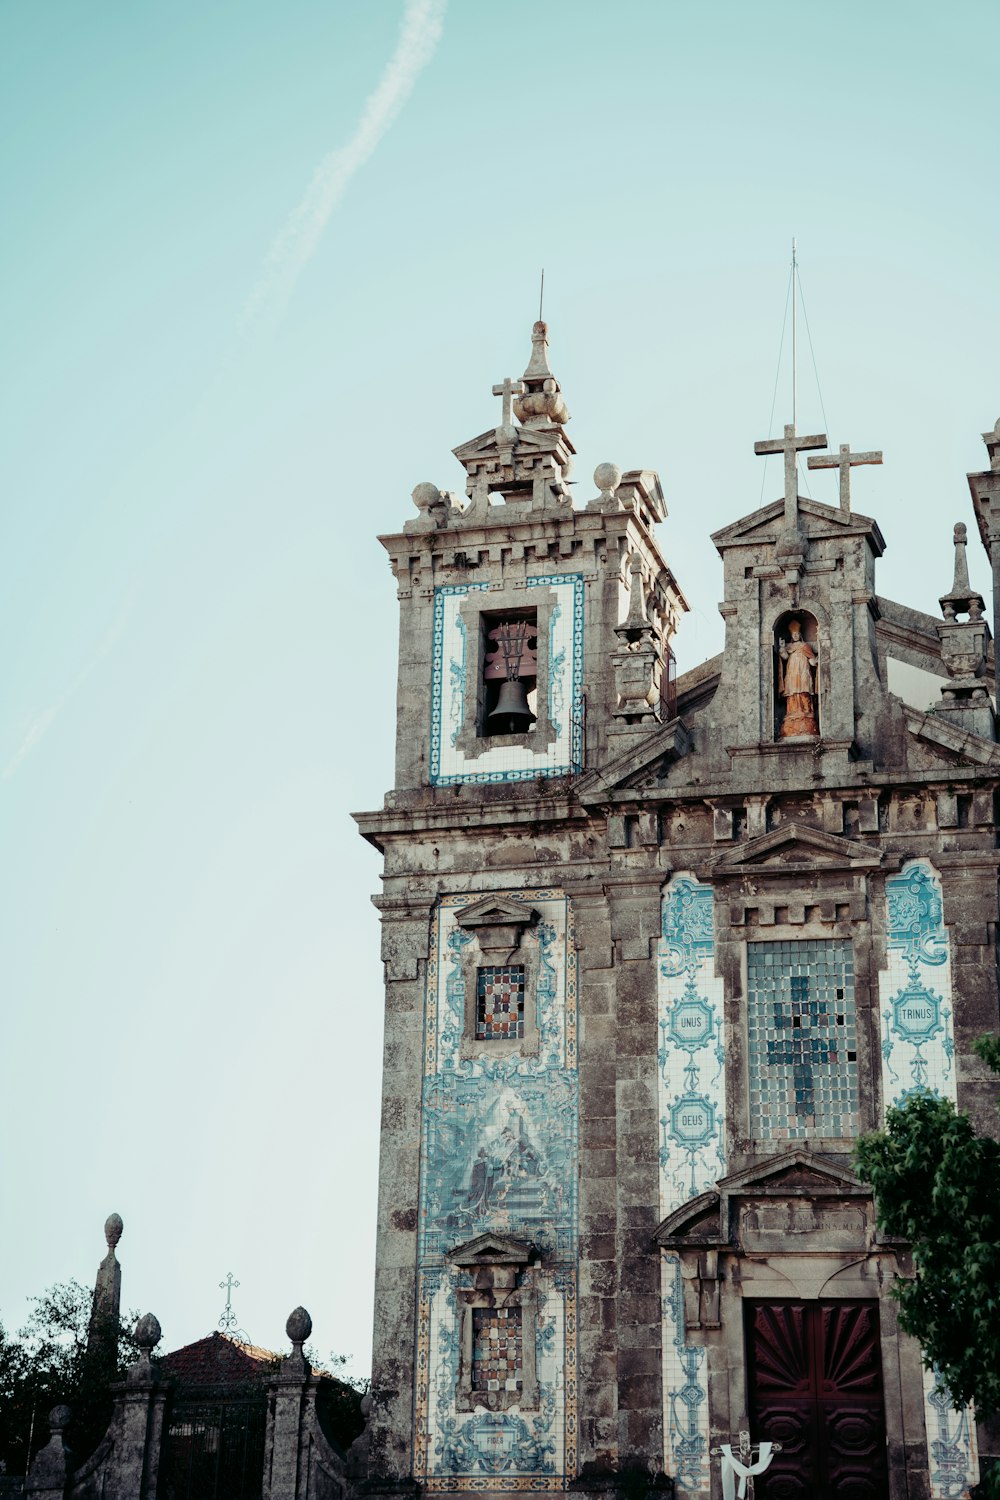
x: 777, y: 377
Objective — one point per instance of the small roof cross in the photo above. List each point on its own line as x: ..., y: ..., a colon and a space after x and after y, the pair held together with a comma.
x: 791, y: 446
x: 508, y: 390
x: 845, y: 462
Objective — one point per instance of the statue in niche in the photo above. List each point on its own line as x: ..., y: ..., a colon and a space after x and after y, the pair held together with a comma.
x: 797, y: 682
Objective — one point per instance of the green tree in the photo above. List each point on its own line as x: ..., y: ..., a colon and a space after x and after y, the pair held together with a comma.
x: 46, y: 1363
x: 937, y: 1186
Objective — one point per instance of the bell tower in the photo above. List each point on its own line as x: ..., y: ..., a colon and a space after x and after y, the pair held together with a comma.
x: 535, y: 643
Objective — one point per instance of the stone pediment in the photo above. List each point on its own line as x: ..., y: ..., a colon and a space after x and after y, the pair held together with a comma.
x: 528, y: 442
x: 798, y: 1178
x: 763, y: 526
x: 494, y: 1250
x: 798, y: 844
x: 641, y: 765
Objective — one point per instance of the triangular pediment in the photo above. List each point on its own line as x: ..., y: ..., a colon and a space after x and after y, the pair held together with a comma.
x: 798, y: 844
x: 764, y: 526
x: 792, y: 1170
x: 496, y: 911
x: 642, y: 764
x: 705, y: 1221
x: 954, y: 745
x: 527, y: 440
x: 494, y: 1250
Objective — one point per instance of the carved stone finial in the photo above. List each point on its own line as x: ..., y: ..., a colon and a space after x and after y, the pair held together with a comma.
x: 636, y: 622
x: 113, y: 1227
x: 59, y: 1417
x: 962, y: 598
x: 298, y: 1327
x: 148, y: 1333
x: 607, y: 477
x: 542, y: 403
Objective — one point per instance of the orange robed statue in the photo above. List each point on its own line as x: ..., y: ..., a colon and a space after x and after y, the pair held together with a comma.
x: 796, y: 683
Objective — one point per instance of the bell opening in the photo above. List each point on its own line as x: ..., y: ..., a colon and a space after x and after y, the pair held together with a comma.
x: 510, y: 673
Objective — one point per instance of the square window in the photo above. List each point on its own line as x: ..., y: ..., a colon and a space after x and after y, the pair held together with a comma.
x: 500, y: 1003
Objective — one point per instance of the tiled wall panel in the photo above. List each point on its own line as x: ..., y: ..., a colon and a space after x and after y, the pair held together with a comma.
x: 450, y: 686
x: 691, y: 1071
x: 499, y: 1153
x: 918, y: 1052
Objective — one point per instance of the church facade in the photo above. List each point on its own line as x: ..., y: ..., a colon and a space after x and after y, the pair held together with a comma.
x: 656, y: 951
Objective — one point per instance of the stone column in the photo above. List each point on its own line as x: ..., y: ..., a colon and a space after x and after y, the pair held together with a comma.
x: 283, y: 1477
x: 132, y: 1471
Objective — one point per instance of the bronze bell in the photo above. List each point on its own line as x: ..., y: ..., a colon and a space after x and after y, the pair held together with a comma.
x: 512, y: 714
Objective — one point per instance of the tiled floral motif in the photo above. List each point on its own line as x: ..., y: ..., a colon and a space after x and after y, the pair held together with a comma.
x: 691, y: 1071
x: 498, y: 1152
x: 951, y: 1443
x: 685, y: 1392
x: 691, y: 1055
x: 450, y: 686
x: 918, y: 1051
x: 918, y: 1045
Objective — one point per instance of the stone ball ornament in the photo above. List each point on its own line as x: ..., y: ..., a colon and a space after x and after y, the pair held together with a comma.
x: 426, y: 496
x: 60, y: 1417
x: 148, y: 1332
x: 607, y: 477
x: 113, y: 1227
x: 299, y: 1325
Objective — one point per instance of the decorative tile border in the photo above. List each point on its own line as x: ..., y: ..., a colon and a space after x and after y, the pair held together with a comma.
x: 498, y: 1152
x: 918, y: 1052
x: 691, y: 1069
x: 449, y: 685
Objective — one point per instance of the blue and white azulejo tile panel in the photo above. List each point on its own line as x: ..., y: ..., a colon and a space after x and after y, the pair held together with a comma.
x: 452, y: 692
x: 691, y: 1053
x: 691, y: 1070
x: 918, y: 1045
x: 918, y: 1052
x: 685, y: 1394
x: 499, y: 1153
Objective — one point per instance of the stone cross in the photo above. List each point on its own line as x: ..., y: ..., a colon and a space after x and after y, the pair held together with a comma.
x: 508, y: 390
x: 845, y: 463
x: 791, y: 446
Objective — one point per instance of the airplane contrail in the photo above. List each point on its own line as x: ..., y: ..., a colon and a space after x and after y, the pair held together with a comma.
x: 419, y: 34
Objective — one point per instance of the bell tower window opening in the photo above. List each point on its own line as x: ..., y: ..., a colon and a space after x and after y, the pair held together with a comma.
x: 500, y: 1003
x: 510, y: 674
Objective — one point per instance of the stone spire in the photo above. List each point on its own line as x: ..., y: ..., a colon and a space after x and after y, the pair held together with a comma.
x: 964, y: 645
x: 542, y: 403
x: 102, y: 1335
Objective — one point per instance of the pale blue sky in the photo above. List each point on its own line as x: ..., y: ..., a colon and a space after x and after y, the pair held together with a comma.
x: 198, y: 624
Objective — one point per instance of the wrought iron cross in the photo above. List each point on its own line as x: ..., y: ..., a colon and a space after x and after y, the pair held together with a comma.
x: 508, y: 390
x: 845, y: 462
x: 791, y: 446
x: 228, y: 1319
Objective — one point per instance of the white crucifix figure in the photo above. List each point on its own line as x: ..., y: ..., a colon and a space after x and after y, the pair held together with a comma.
x: 791, y: 446
x: 508, y: 390
x: 845, y: 462
x: 742, y: 1465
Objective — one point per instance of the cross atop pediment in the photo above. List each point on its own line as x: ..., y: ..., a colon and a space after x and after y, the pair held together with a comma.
x: 845, y: 461
x: 508, y: 389
x: 791, y: 446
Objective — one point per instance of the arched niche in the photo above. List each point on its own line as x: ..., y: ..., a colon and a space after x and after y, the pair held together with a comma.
x: 796, y: 691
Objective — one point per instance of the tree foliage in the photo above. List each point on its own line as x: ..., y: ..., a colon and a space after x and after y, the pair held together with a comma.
x: 46, y: 1364
x: 937, y: 1186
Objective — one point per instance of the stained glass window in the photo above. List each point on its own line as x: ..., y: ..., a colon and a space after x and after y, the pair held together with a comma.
x: 497, y: 1362
x: 803, y: 1050
x: 500, y: 1003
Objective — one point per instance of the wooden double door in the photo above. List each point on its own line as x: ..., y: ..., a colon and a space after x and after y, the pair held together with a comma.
x: 814, y: 1384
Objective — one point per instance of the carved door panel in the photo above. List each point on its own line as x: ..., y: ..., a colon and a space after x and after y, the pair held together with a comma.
x: 814, y: 1384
